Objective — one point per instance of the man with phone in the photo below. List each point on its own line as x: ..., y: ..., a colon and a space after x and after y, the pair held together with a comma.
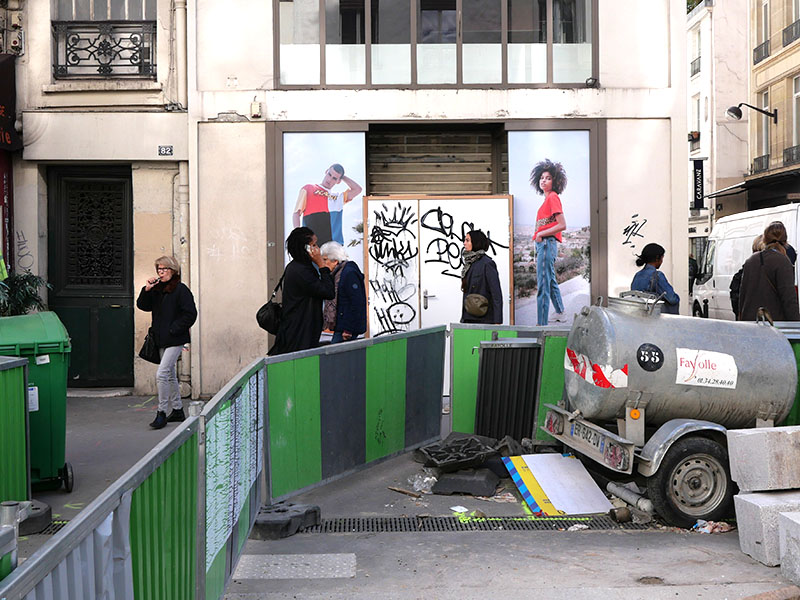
x: 321, y: 209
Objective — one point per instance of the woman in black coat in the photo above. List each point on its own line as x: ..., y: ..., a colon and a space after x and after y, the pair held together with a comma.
x: 174, y: 312
x: 479, y: 280
x: 305, y: 286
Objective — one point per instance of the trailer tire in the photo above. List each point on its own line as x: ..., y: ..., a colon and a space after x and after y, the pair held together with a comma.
x: 693, y: 482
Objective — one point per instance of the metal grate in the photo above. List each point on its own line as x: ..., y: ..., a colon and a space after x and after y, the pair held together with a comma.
x: 457, y: 524
x: 53, y: 528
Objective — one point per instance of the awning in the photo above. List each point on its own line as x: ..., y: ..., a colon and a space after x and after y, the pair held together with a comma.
x: 728, y: 191
x: 9, y: 138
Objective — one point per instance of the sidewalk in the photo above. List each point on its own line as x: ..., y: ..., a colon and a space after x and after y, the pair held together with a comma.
x: 105, y: 437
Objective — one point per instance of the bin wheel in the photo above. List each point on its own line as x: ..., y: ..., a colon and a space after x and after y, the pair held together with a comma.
x: 693, y: 482
x: 68, y: 477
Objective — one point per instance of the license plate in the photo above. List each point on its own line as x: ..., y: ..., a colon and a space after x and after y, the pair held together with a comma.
x: 588, y: 435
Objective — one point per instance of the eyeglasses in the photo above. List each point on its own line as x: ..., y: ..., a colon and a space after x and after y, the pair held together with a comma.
x: 159, y: 269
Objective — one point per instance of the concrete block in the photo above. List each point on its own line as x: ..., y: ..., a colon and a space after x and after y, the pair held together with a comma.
x: 477, y: 482
x: 765, y: 458
x: 757, y: 521
x: 283, y: 519
x: 789, y: 537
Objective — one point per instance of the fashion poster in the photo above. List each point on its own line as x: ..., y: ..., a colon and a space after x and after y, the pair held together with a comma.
x: 549, y: 179
x: 324, y: 176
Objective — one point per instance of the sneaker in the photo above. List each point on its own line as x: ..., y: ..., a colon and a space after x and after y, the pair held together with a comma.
x: 160, y: 420
x: 176, y: 416
x: 559, y: 318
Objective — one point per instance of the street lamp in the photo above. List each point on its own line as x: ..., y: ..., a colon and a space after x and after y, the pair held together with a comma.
x: 735, y: 112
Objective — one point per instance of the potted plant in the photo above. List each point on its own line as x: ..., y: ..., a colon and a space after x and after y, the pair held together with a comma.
x: 20, y: 293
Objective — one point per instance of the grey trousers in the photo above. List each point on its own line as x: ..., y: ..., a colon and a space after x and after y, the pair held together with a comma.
x: 169, y: 391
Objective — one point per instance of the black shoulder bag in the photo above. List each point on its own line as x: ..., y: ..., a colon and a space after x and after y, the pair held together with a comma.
x: 269, y: 315
x: 149, y: 351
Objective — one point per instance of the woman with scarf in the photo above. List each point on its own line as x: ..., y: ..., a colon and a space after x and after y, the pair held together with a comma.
x: 346, y: 313
x: 480, y: 283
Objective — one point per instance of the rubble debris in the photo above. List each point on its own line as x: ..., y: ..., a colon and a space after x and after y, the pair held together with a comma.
x: 504, y: 497
x: 703, y: 526
x: 578, y: 527
x: 283, y: 519
x: 406, y: 492
x: 423, y: 481
x: 475, y: 482
x: 508, y: 446
x: 458, y: 451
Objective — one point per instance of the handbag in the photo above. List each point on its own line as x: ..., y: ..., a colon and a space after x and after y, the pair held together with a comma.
x: 269, y: 316
x: 476, y: 305
x: 149, y: 351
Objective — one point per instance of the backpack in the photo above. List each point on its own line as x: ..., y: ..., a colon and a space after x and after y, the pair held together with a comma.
x: 736, y: 283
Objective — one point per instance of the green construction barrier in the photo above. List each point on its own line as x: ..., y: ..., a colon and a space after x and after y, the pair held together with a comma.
x: 43, y: 340
x: 464, y: 343
x: 15, y: 482
x: 793, y: 418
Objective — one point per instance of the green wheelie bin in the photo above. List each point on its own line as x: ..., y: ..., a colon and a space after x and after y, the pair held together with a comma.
x: 43, y: 340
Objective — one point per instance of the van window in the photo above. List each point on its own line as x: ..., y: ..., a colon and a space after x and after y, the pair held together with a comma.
x: 707, y: 269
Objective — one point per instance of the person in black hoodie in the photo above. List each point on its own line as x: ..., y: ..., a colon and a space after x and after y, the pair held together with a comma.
x: 480, y: 283
x: 174, y: 312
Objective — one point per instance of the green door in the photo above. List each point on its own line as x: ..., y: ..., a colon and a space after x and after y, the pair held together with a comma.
x: 90, y: 269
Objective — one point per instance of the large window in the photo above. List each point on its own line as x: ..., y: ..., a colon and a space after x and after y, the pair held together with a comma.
x: 104, y: 38
x: 796, y: 112
x: 764, y: 123
x: 437, y: 43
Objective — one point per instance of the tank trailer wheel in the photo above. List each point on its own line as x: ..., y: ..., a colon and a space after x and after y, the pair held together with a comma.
x: 692, y: 483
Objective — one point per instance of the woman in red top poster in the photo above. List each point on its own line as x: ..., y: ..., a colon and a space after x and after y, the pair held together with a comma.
x: 549, y: 179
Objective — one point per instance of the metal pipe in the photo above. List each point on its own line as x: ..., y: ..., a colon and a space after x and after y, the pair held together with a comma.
x: 631, y: 497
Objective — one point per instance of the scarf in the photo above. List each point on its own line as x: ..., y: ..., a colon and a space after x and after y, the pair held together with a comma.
x: 329, y: 306
x: 470, y: 256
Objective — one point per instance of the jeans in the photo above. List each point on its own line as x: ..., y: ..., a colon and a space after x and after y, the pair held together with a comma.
x: 169, y: 392
x: 547, y: 287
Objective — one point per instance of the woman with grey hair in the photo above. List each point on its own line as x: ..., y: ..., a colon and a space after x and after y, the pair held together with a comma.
x: 346, y: 314
x: 174, y: 312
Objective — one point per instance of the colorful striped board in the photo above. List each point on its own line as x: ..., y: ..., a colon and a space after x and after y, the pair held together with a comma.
x: 531, y: 491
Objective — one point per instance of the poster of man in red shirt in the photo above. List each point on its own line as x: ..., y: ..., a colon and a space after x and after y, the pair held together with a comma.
x: 321, y: 208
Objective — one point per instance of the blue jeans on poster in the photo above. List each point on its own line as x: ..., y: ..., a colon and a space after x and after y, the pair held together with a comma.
x: 547, y: 287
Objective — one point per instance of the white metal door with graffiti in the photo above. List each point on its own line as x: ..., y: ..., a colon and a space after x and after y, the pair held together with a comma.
x: 414, y: 261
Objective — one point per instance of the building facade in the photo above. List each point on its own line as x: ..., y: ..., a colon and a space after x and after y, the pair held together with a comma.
x: 188, y: 128
x: 775, y: 89
x: 718, y: 63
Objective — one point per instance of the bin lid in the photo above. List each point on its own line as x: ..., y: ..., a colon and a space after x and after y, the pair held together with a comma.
x: 33, y: 330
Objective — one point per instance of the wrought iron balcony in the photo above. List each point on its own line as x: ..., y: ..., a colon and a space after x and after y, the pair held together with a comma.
x: 760, y: 52
x: 791, y: 156
x: 104, y: 49
x: 761, y: 163
x: 791, y: 33
x: 694, y: 67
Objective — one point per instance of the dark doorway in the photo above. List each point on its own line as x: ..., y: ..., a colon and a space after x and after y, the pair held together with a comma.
x: 90, y: 268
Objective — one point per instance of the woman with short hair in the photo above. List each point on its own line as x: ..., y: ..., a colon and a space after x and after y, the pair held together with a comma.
x: 174, y: 312
x: 346, y: 313
x: 768, y: 280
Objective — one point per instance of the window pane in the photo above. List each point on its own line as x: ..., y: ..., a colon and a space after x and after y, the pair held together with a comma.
x: 135, y: 10
x: 391, y: 42
x: 117, y: 9
x: 572, y: 43
x: 482, y: 59
x: 527, y: 44
x: 344, y: 42
x: 796, y: 111
x: 436, y: 41
x: 150, y: 10
x: 82, y: 10
x: 64, y: 10
x: 299, y: 31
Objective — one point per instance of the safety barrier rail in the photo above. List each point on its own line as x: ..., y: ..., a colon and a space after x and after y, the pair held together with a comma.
x: 174, y: 525
x: 465, y: 339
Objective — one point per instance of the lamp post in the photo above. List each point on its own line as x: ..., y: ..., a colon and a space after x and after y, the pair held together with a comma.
x: 735, y: 112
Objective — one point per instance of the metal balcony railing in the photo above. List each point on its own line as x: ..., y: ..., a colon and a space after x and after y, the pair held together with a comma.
x: 791, y: 156
x: 791, y: 33
x: 104, y: 49
x: 760, y: 52
x: 694, y: 67
x: 761, y: 163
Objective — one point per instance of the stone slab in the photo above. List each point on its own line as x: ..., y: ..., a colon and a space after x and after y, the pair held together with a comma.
x: 789, y: 538
x: 765, y: 458
x: 757, y: 521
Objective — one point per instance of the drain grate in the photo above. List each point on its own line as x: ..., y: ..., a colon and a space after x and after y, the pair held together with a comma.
x: 53, y: 528
x: 455, y: 524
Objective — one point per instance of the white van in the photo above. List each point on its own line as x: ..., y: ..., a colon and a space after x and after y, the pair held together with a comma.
x: 729, y: 245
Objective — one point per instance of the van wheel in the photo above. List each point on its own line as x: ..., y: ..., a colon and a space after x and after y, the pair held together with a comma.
x: 692, y: 483
x: 697, y: 311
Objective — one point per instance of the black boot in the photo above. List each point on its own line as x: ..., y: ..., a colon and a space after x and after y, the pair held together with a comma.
x: 160, y: 420
x: 176, y: 416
